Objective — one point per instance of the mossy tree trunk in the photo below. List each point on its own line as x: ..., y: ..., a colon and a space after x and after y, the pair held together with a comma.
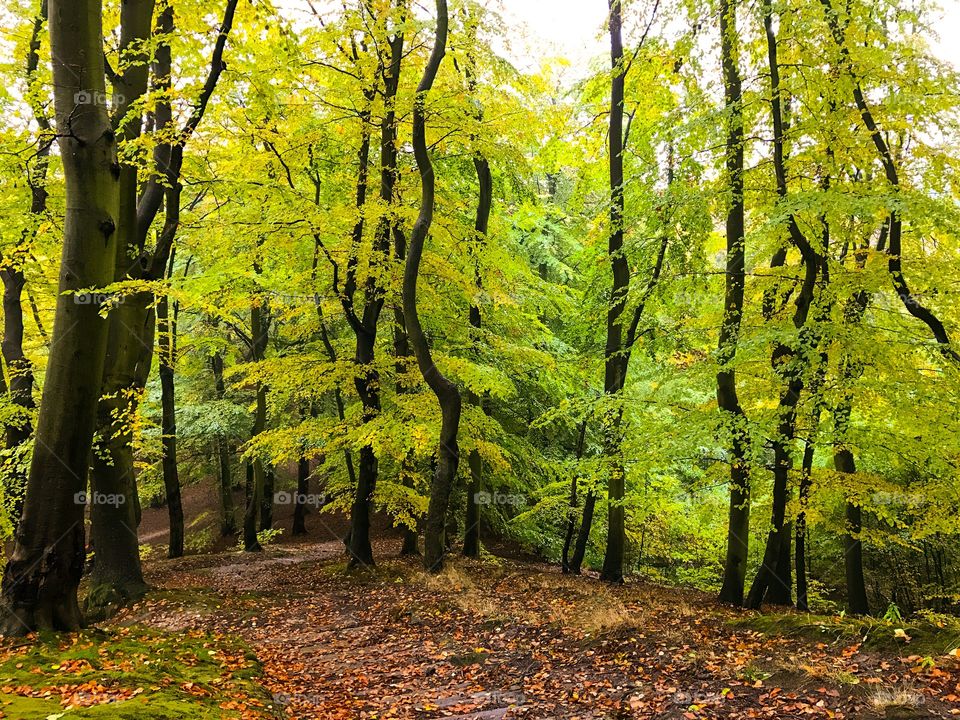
x: 43, y: 571
x: 117, y: 575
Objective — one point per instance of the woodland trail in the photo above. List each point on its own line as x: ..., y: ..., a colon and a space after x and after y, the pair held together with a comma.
x: 500, y: 639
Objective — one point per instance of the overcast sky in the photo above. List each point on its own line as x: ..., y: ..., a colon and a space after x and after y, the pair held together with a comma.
x: 573, y: 26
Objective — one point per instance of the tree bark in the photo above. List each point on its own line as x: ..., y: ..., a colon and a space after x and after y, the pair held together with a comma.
x: 303, y: 487
x: 738, y: 522
x: 117, y: 576
x: 368, y: 379
x: 259, y: 330
x: 228, y: 513
x: 167, y: 340
x: 572, y: 512
x: 583, y: 535
x: 447, y: 393
x: 614, y: 357
x: 39, y: 588
x: 471, y: 536
x: 266, y: 505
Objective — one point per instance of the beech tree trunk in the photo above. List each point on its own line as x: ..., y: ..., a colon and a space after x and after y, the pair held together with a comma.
x: 167, y: 337
x: 303, y: 487
x: 583, y: 535
x: 471, y: 536
x: 365, y: 327
x: 259, y: 329
x: 228, y: 513
x: 565, y: 564
x: 117, y: 576
x: 738, y: 522
x: 447, y: 393
x: 43, y: 571
x: 614, y: 357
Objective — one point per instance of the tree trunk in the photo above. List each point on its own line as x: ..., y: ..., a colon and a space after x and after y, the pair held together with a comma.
x: 259, y: 329
x: 738, y: 522
x: 583, y: 536
x: 303, y: 487
x: 803, y: 597
x: 42, y: 573
x: 167, y: 332
x: 447, y: 393
x: 844, y: 462
x: 228, y: 513
x: 471, y: 536
x: 368, y: 379
x: 572, y: 512
x: 117, y: 576
x: 614, y: 357
x: 266, y: 502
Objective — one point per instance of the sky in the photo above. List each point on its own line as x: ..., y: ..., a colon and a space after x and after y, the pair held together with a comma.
x: 573, y: 26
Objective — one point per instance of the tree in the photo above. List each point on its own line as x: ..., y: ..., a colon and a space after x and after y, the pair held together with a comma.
x: 735, y: 420
x: 43, y: 572
x: 447, y: 392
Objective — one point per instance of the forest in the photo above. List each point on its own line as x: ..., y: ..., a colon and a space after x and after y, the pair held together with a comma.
x: 369, y: 359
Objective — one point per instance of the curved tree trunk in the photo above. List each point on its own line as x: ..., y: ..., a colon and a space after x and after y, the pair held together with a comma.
x: 40, y: 581
x: 447, y: 393
x: 738, y: 522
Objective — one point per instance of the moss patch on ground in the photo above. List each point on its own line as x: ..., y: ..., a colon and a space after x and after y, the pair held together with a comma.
x: 130, y: 672
x: 919, y: 635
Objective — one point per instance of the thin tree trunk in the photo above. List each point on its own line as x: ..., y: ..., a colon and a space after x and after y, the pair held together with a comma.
x: 167, y: 334
x: 471, y: 537
x: 738, y: 522
x: 228, y: 513
x: 803, y: 594
x: 266, y: 505
x: 303, y: 487
x: 368, y: 379
x: 447, y: 393
x: 259, y: 329
x: 572, y: 512
x: 614, y: 357
x: 894, y: 249
x: 39, y: 587
x: 583, y: 535
x: 844, y: 462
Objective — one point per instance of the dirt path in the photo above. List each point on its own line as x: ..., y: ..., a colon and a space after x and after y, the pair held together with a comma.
x: 496, y: 640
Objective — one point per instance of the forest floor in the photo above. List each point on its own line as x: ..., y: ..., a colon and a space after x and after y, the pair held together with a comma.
x: 496, y: 639
x: 292, y: 633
